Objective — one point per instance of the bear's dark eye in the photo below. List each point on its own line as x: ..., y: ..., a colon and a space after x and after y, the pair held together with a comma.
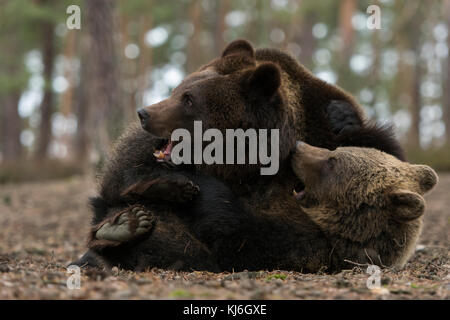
x: 187, y: 100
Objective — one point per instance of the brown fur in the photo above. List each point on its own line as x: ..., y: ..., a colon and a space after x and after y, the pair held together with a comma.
x: 244, y: 89
x: 262, y: 89
x: 368, y: 202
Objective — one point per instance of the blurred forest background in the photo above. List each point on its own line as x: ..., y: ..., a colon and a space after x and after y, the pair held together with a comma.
x: 65, y: 95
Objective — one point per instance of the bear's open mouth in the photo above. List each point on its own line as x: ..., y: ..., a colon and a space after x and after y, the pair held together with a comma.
x: 299, y: 190
x: 162, y: 154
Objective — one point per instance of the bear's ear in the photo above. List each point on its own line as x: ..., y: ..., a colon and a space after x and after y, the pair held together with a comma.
x: 427, y: 177
x: 264, y: 81
x: 406, y: 205
x: 241, y: 47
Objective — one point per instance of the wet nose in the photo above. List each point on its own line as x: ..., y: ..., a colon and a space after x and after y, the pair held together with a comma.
x: 143, y: 115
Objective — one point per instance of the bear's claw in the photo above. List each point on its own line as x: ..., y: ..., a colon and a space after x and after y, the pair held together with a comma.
x: 176, y: 188
x: 188, y: 190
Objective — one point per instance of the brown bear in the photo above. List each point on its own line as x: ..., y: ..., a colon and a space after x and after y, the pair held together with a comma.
x: 366, y: 207
x: 264, y: 89
x: 244, y: 88
x: 368, y: 203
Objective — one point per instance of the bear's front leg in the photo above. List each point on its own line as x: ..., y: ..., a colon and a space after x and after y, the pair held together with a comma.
x: 167, y: 188
x: 342, y: 117
x: 125, y: 226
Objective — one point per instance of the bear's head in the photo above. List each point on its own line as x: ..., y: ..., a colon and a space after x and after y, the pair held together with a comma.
x: 360, y: 193
x: 231, y: 92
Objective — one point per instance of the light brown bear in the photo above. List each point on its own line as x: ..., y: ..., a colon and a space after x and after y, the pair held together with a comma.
x: 368, y: 203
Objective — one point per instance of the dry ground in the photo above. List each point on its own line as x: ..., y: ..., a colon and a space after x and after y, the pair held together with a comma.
x: 43, y: 226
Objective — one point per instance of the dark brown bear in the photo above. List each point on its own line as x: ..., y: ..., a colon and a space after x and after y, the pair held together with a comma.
x: 266, y: 89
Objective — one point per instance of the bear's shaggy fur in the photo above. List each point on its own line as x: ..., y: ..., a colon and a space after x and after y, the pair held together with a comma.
x: 244, y: 88
x: 265, y: 89
x: 368, y: 203
x: 362, y: 206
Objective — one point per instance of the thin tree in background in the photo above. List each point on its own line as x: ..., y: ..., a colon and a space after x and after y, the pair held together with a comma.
x: 67, y: 96
x: 346, y: 11
x: 194, y: 54
x: 446, y: 71
x: 81, y: 107
x: 221, y: 10
x: 46, y: 109
x: 11, y: 123
x: 415, y: 44
x: 13, y: 80
x: 305, y: 39
x: 145, y: 61
x: 11, y: 128
x: 414, y: 132
x: 103, y: 96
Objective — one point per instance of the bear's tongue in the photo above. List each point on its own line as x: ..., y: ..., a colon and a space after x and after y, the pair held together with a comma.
x: 164, y: 154
x: 299, y: 195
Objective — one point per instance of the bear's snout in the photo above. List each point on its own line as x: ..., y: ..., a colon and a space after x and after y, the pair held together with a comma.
x: 143, y: 117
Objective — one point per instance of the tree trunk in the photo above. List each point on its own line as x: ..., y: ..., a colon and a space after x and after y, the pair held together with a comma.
x: 446, y: 97
x: 145, y: 63
x: 11, y: 128
x: 414, y: 132
x: 103, y: 97
x: 70, y: 75
x: 222, y: 8
x: 81, y: 142
x: 48, y: 54
x: 194, y: 50
x: 346, y: 11
x: 306, y: 40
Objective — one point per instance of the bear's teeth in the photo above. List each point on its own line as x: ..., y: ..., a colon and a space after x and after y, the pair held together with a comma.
x: 158, y: 154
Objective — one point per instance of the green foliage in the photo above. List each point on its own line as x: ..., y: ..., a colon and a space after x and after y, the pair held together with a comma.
x: 7, y: 199
x: 181, y: 294
x: 20, y: 33
x: 276, y: 276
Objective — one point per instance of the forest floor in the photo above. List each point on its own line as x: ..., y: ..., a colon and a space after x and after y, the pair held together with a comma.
x: 43, y: 227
